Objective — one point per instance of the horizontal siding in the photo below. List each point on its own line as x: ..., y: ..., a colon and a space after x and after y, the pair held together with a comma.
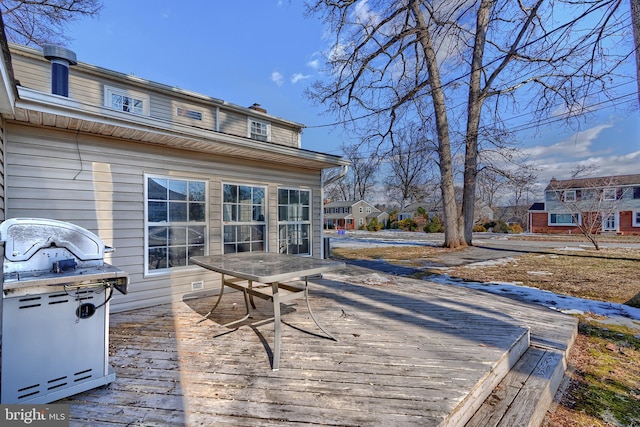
x: 32, y: 73
x: 98, y: 183
x: 233, y: 123
x: 284, y: 136
x: 35, y: 73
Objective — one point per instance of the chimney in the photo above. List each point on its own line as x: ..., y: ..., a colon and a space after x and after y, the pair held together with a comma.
x: 258, y: 107
x: 60, y: 58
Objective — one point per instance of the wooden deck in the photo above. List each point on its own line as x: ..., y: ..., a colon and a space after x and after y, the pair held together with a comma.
x: 409, y: 353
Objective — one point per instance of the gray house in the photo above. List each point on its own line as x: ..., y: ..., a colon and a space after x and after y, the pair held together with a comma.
x: 352, y: 215
x: 159, y: 173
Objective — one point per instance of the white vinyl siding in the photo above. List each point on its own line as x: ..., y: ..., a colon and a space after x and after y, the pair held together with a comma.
x: 98, y: 183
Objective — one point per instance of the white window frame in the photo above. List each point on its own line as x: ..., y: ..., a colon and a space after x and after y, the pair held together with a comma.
x: 295, y: 221
x: 261, y: 136
x: 552, y: 224
x: 636, y: 218
x: 110, y: 91
x: 188, y: 224
x: 609, y: 193
x: 368, y: 209
x: 243, y: 224
x: 570, y: 196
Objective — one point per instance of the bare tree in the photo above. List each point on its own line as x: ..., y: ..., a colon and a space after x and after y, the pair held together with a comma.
x: 590, y: 202
x: 359, y: 181
x: 410, y: 164
x: 392, y: 62
x: 41, y: 22
x: 490, y: 183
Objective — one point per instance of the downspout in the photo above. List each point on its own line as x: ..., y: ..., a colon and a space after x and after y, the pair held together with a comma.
x: 343, y: 172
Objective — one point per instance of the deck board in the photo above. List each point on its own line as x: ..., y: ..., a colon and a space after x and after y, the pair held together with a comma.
x: 411, y: 353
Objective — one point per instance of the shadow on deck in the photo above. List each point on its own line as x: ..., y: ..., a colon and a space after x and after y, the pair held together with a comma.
x: 409, y: 352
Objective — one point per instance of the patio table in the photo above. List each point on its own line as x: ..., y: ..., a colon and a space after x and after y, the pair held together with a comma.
x: 264, y: 275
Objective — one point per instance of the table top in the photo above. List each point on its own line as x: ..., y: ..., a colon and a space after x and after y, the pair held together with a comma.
x: 266, y: 267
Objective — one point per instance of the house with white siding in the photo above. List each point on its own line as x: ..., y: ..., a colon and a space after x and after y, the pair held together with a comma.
x: 159, y: 173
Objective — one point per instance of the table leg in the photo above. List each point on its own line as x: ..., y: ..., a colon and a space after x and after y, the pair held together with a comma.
x: 276, y: 327
x: 306, y: 297
x: 206, y: 316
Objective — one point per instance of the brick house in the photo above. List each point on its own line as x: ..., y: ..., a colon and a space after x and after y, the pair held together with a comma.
x: 611, y: 202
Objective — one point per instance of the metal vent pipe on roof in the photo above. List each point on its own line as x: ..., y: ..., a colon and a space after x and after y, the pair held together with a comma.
x: 60, y: 58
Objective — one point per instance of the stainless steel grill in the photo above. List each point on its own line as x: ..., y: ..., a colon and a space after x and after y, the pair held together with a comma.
x: 55, y: 310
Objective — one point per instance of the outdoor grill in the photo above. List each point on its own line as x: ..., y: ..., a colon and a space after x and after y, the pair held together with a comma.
x: 55, y: 310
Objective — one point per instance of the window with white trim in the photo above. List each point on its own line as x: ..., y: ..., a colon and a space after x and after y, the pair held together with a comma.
x: 609, y: 194
x: 570, y: 196
x: 564, y: 219
x: 243, y: 217
x: 176, y: 222
x: 259, y: 130
x: 636, y: 218
x: 294, y: 221
x: 126, y: 100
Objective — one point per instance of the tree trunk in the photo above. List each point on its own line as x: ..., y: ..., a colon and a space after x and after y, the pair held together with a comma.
x: 452, y: 236
x: 476, y: 100
x: 635, y: 20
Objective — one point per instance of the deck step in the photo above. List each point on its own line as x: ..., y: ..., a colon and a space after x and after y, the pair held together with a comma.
x: 525, y: 394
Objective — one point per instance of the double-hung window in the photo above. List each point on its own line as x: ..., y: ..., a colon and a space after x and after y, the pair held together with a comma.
x: 176, y: 222
x: 243, y: 216
x: 258, y: 130
x: 126, y: 100
x: 294, y: 221
x: 636, y: 218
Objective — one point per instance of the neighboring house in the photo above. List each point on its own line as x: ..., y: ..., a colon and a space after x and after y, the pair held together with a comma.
x: 159, y: 173
x: 614, y: 200
x: 352, y: 215
x: 482, y: 211
x: 411, y: 210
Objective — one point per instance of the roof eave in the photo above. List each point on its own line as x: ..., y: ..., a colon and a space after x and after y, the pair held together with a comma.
x: 48, y: 110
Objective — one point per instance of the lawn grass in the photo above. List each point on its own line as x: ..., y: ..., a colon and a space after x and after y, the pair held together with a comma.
x: 602, y: 383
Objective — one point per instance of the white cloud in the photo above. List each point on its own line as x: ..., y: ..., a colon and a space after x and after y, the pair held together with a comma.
x: 277, y: 78
x: 315, y: 64
x: 576, y: 147
x: 364, y: 15
x: 295, y: 78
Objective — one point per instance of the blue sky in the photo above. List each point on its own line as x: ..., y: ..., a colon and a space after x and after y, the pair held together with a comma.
x: 267, y: 51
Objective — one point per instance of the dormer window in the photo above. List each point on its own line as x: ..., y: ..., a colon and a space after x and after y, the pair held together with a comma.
x: 259, y: 130
x: 126, y: 100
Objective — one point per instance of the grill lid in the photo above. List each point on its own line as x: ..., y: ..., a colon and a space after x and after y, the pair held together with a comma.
x: 25, y: 236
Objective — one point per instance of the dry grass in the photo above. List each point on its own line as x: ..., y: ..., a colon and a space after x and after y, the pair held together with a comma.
x: 602, y: 384
x: 604, y: 276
